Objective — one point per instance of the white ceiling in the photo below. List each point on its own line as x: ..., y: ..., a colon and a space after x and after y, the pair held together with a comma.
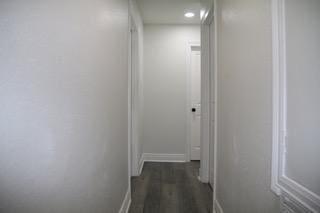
x: 169, y: 11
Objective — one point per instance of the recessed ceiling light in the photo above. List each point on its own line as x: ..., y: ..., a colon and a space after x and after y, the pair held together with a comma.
x: 189, y: 15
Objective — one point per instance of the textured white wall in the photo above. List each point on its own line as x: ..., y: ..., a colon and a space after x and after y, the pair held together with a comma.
x: 63, y: 106
x: 164, y: 118
x: 245, y: 107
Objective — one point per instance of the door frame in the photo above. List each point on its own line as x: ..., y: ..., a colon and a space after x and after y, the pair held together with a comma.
x: 190, y: 45
x: 133, y: 63
x: 207, y: 70
x: 212, y: 98
x: 129, y: 105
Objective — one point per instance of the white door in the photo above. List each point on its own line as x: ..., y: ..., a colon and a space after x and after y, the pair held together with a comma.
x: 195, y: 102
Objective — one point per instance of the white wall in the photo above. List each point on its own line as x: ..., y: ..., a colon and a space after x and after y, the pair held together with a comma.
x: 63, y: 106
x: 245, y: 107
x: 164, y: 118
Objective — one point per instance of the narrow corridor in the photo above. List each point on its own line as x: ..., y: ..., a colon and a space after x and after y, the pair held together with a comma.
x: 170, y: 188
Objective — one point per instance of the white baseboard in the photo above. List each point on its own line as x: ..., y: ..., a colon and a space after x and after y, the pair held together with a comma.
x: 156, y: 157
x: 141, y: 164
x: 217, y: 207
x: 126, y: 203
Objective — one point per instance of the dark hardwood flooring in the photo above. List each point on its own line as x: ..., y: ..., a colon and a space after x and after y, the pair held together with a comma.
x: 170, y: 188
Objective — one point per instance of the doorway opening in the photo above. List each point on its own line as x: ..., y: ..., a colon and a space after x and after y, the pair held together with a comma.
x: 170, y: 118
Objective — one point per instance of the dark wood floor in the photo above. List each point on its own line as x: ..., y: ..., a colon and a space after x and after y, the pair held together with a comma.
x: 170, y: 188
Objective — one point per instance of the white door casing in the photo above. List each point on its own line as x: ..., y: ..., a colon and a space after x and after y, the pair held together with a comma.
x: 134, y: 98
x: 195, y: 102
x: 209, y: 71
x: 212, y: 101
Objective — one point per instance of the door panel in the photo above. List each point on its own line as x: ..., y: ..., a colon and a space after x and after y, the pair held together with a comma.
x: 195, y: 103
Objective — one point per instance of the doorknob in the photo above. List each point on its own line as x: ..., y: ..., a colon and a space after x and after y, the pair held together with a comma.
x: 193, y: 109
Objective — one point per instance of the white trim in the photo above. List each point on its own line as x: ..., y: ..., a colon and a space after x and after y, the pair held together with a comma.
x: 217, y: 207
x: 276, y: 95
x: 134, y: 101
x: 205, y: 104
x: 132, y: 146
x: 215, y: 20
x: 205, y: 42
x: 290, y: 204
x: 188, y: 83
x: 129, y: 104
x: 141, y: 164
x: 194, y: 44
x: 134, y: 70
x: 189, y: 104
x: 300, y: 189
x: 208, y: 14
x: 281, y: 183
x: 126, y: 202
x: 156, y: 157
x: 205, y: 96
x: 298, y: 194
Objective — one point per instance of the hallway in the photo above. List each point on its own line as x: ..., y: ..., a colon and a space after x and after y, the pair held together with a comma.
x: 104, y: 103
x: 170, y: 188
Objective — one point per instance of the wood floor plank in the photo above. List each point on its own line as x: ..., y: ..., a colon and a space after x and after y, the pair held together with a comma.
x: 152, y: 200
x: 169, y: 198
x: 167, y: 173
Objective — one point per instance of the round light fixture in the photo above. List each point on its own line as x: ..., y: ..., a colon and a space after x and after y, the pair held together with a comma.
x: 189, y: 15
